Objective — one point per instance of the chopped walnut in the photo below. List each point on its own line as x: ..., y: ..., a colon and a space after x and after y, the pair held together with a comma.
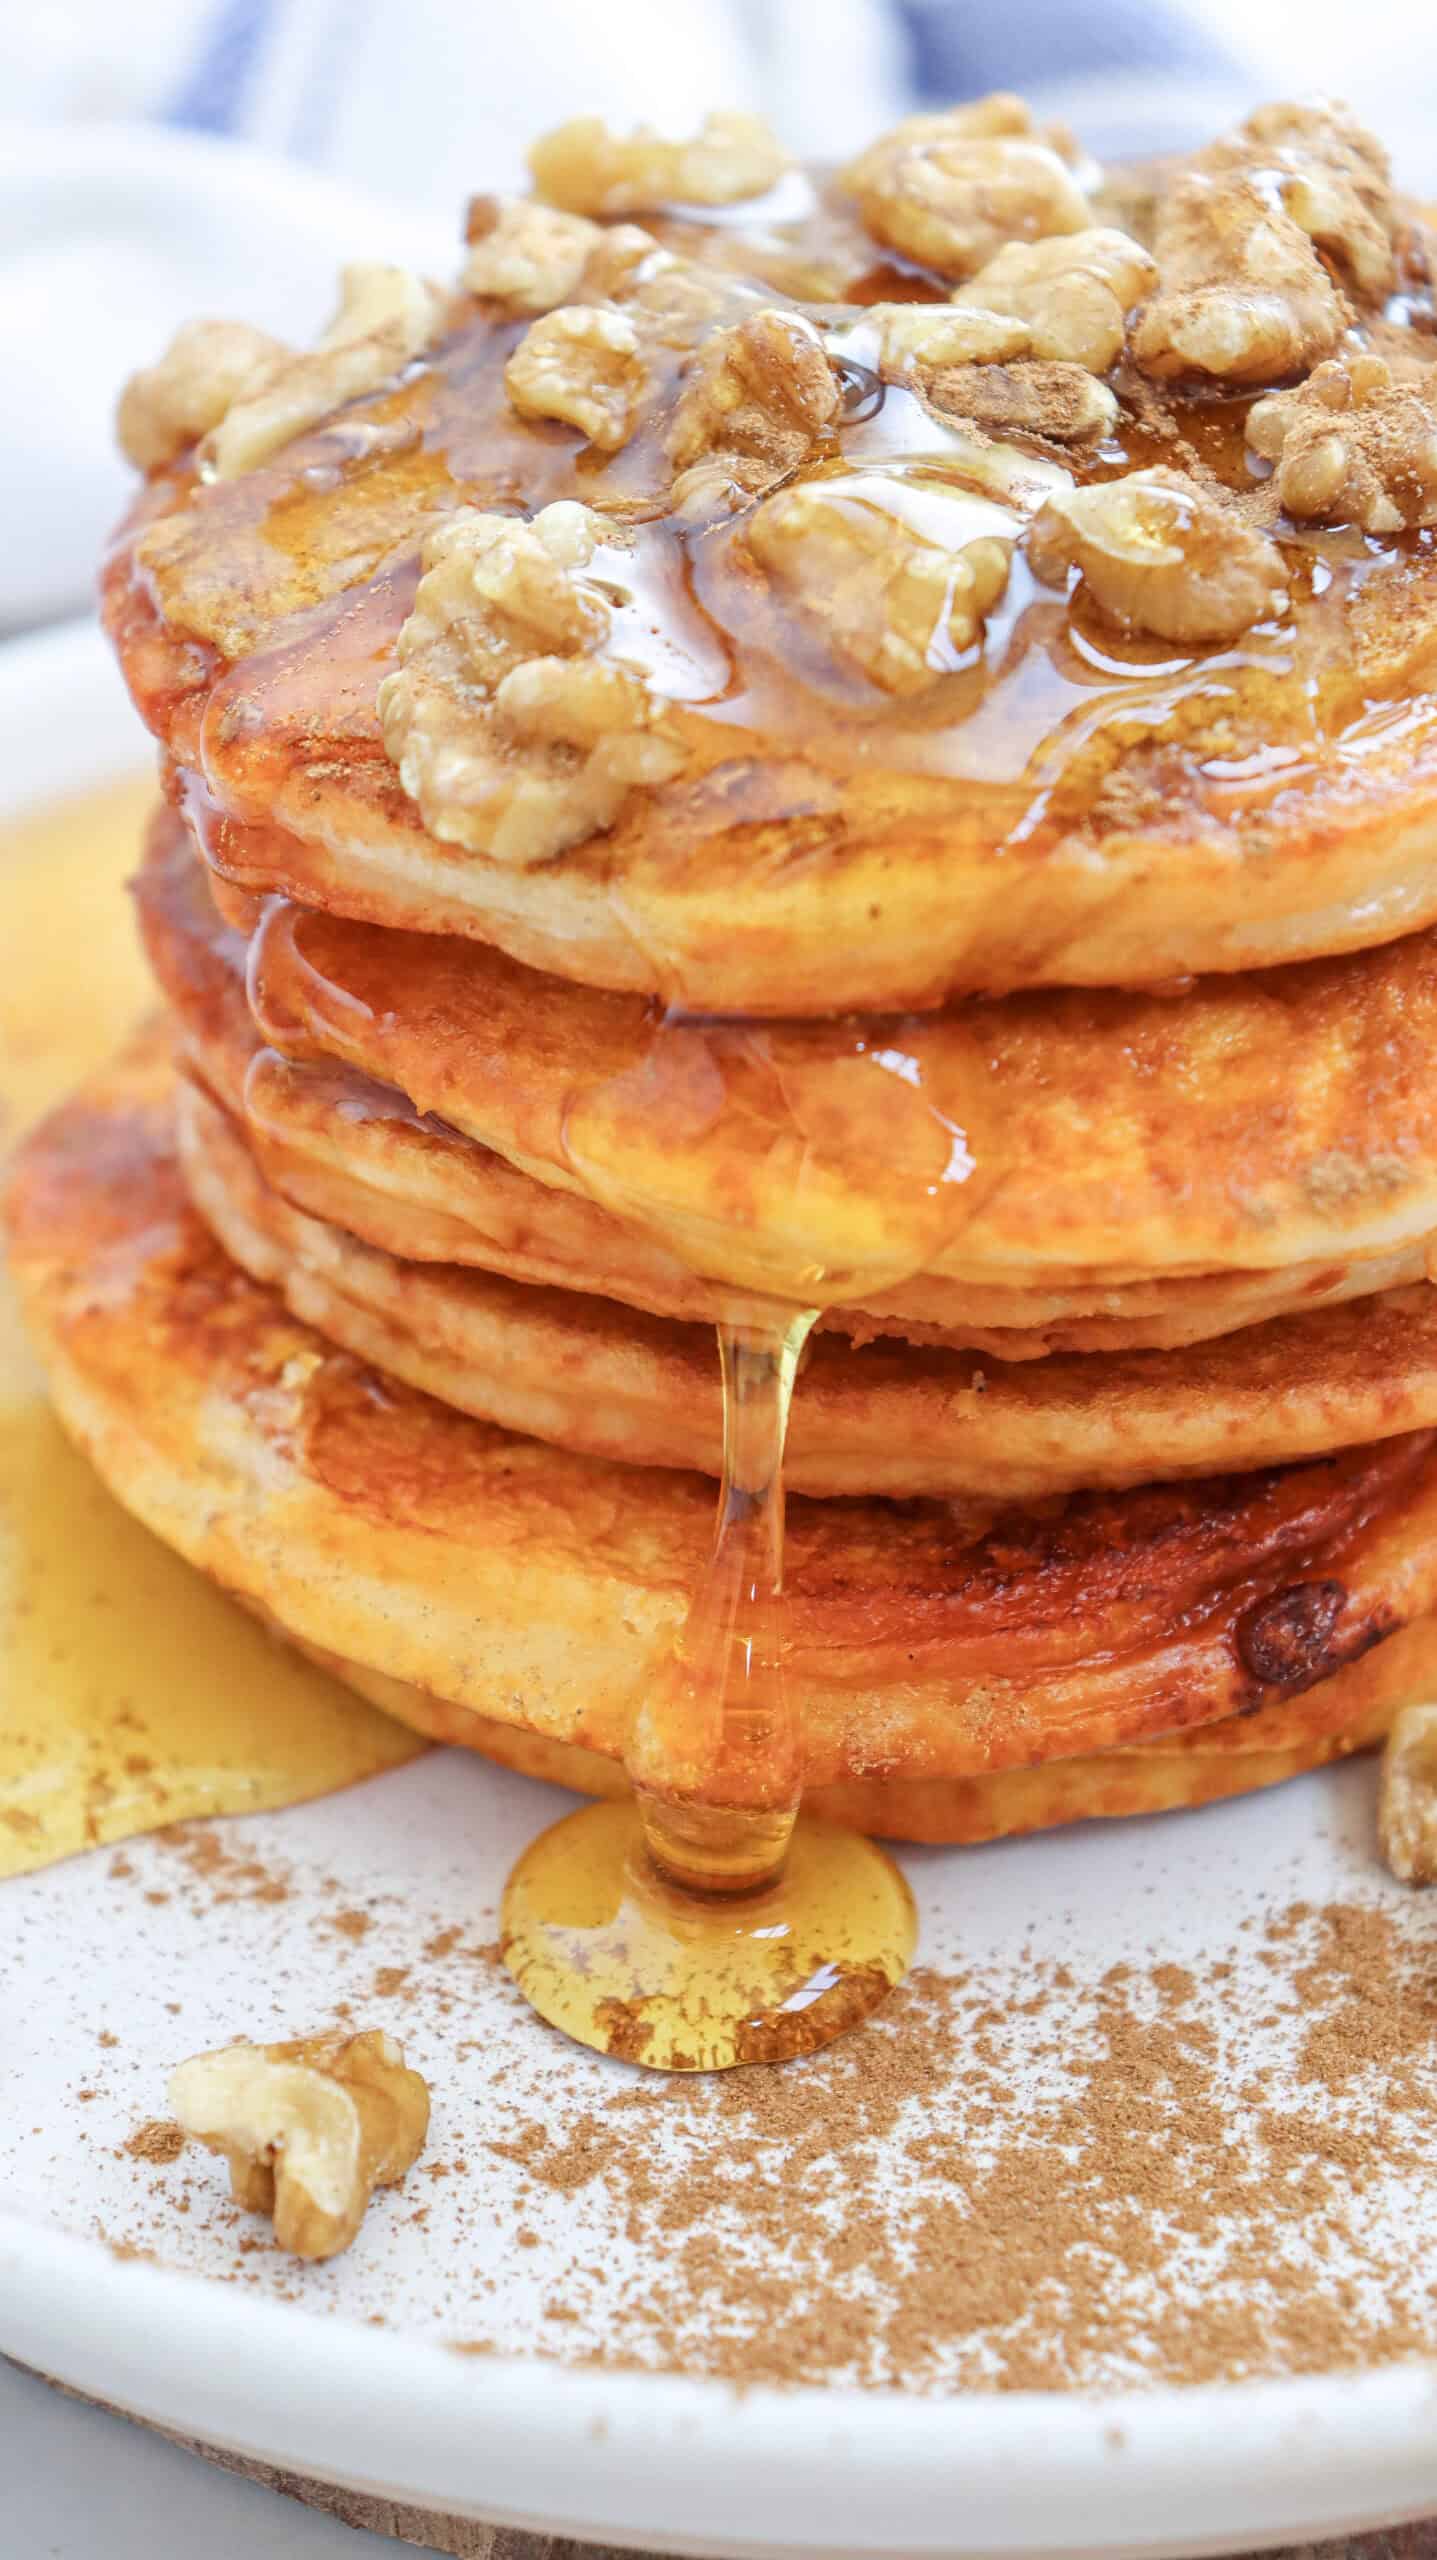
x: 1158, y: 553
x: 1336, y: 184
x: 514, y: 729
x: 1072, y: 294
x: 386, y: 317
x: 1352, y: 446
x: 583, y: 365
x: 758, y: 398
x: 899, y: 603
x: 1245, y: 297
x: 1407, y: 1804
x: 1063, y: 402
x: 587, y: 169
x: 527, y: 255
x: 948, y: 190
x: 309, y: 2129
x: 207, y: 366
x: 916, y: 338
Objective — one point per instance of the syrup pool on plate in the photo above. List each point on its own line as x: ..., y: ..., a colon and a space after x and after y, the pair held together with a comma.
x: 132, y: 1692
x: 705, y: 1922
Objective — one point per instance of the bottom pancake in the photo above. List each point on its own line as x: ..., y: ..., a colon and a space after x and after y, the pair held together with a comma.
x: 1242, y: 1754
x: 521, y: 1587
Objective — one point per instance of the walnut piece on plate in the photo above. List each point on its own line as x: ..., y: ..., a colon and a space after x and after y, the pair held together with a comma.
x: 586, y: 168
x: 207, y: 367
x: 894, y: 601
x: 309, y: 2129
x: 948, y: 190
x: 1072, y: 293
x: 386, y: 317
x: 1352, y: 445
x: 1407, y: 1803
x: 1160, y: 554
x: 526, y: 255
x: 582, y: 365
x: 512, y: 726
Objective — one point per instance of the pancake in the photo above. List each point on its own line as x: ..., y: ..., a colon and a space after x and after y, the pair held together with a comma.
x: 1105, y: 1169
x: 1211, y: 1764
x: 1116, y: 766
x: 354, y: 1153
x: 892, y: 1419
x: 542, y: 1590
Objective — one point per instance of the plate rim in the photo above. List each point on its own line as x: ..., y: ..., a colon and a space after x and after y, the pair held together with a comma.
x: 616, y: 2453
x: 562, y: 2448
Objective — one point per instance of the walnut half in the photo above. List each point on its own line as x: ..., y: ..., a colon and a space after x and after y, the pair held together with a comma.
x: 386, y: 317
x: 207, y: 367
x: 1160, y: 554
x: 309, y: 2129
x: 512, y: 724
x: 896, y: 584
x: 1072, y: 293
x: 1407, y: 1806
x: 948, y: 190
x: 1352, y: 446
x: 586, y: 168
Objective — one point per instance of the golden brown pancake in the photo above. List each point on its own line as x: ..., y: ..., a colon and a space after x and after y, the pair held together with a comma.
x: 1264, y: 1144
x: 1080, y: 797
x: 1210, y: 1763
x: 892, y: 1419
x: 542, y: 1590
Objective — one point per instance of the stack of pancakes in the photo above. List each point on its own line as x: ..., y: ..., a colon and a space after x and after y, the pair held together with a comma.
x: 1046, y: 991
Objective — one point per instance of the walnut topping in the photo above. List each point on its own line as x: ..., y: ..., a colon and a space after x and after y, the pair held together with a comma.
x: 1072, y: 293
x: 1160, y: 554
x: 588, y: 169
x: 1061, y: 401
x: 386, y: 317
x: 948, y: 190
x: 513, y: 726
x: 758, y: 398
x: 898, y: 596
x: 1352, y: 446
x: 207, y: 366
x: 1336, y: 184
x: 527, y: 255
x: 916, y: 338
x: 581, y: 364
x: 309, y: 2129
x: 1407, y: 1805
x: 1245, y: 296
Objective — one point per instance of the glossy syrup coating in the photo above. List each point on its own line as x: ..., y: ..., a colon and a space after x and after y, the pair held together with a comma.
x: 849, y: 809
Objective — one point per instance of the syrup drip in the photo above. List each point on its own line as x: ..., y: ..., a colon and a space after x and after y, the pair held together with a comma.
x: 132, y: 1692
x: 706, y: 1923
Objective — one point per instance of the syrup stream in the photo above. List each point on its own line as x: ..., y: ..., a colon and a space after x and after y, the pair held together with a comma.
x: 716, y: 1757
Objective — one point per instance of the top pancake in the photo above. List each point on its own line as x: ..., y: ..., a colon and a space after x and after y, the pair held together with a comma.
x: 1058, y: 798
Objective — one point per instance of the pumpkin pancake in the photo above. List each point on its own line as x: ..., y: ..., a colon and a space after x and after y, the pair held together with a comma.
x: 541, y: 1589
x: 1206, y: 1765
x: 892, y: 1419
x: 874, y: 655
x: 1094, y: 1170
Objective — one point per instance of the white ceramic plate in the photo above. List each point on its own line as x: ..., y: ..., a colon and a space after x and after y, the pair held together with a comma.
x: 104, y: 1980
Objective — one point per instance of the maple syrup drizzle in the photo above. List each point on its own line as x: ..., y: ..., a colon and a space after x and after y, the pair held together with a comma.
x: 706, y: 1923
